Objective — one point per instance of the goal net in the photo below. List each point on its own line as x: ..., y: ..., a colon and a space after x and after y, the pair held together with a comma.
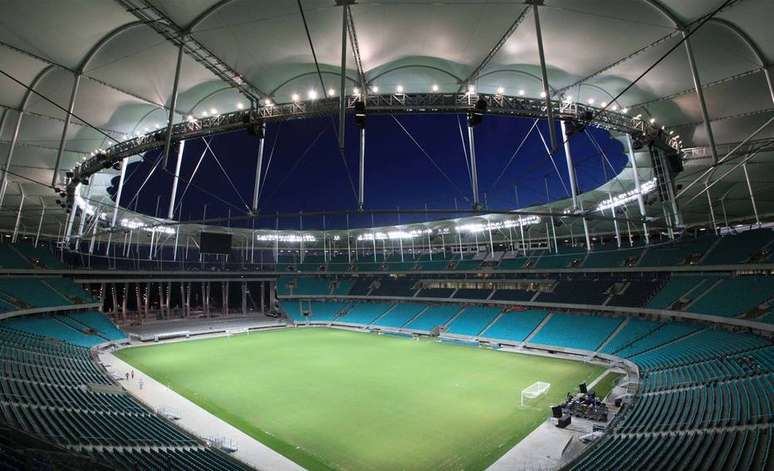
x: 533, y: 391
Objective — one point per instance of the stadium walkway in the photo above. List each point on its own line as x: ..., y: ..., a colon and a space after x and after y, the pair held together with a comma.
x: 196, y: 420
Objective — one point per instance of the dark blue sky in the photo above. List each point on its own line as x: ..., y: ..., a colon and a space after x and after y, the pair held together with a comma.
x: 304, y: 169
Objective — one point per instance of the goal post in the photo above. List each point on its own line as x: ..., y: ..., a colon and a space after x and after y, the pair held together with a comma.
x: 534, y: 390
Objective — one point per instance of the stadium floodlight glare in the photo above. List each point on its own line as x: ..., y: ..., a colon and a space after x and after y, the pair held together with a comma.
x: 312, y: 94
x: 213, y: 111
x: 435, y: 87
x: 289, y: 238
x: 624, y: 198
x: 614, y: 107
x: 295, y: 97
x: 471, y: 88
x: 267, y: 102
x: 375, y: 89
x: 590, y: 101
x: 542, y: 94
x: 493, y: 226
x: 399, y: 89
x: 500, y: 90
x: 522, y: 93
x: 603, y: 104
x: 331, y: 92
x: 393, y: 235
x: 625, y: 110
x: 356, y: 91
x: 652, y: 120
x: 240, y: 106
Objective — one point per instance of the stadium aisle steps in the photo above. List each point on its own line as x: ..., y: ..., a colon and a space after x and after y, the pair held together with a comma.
x: 433, y: 316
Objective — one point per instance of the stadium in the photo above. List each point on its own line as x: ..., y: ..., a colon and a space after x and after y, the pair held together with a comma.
x: 386, y: 235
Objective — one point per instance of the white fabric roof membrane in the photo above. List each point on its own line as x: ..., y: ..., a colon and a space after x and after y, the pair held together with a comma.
x: 594, y: 49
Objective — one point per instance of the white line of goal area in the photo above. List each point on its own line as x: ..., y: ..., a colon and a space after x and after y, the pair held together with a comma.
x: 534, y: 390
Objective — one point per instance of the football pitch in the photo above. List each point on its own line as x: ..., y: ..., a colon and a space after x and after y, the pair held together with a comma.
x: 333, y: 399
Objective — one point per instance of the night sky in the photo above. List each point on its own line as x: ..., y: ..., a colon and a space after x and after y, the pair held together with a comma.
x: 304, y: 170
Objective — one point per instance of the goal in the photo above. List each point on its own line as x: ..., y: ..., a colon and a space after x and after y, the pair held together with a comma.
x: 534, y: 390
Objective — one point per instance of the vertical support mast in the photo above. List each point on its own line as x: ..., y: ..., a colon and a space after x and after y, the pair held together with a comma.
x: 173, y: 103
x: 175, y: 180
x: 361, y: 172
x: 40, y: 223
x: 576, y: 205
x: 752, y: 197
x: 637, y: 188
x: 343, y: 85
x: 259, y: 165
x: 9, y: 158
x: 18, y: 215
x: 473, y: 168
x: 700, y: 95
x: 544, y: 73
x: 66, y: 127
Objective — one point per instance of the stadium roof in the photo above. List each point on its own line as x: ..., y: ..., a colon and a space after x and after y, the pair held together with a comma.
x: 124, y: 53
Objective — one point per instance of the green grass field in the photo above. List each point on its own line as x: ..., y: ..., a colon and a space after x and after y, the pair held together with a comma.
x: 332, y: 399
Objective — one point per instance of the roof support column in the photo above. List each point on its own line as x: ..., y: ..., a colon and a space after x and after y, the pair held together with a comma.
x: 473, y: 169
x: 361, y: 172
x: 65, y: 128
x: 769, y: 83
x: 700, y: 96
x: 259, y: 165
x: 175, y: 180
x: 9, y: 158
x: 121, y: 179
x: 636, y: 176
x: 712, y: 212
x: 570, y: 166
x: 40, y: 223
x: 749, y: 189
x: 18, y: 215
x: 343, y: 85
x: 544, y: 73
x: 173, y: 103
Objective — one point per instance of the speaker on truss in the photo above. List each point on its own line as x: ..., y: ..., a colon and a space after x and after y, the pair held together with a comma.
x: 360, y: 114
x: 476, y: 115
x: 556, y: 411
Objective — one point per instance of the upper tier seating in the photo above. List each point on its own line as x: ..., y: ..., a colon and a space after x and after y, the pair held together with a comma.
x: 56, y: 327
x: 664, y: 334
x: 101, y: 324
x: 613, y: 258
x: 400, y: 286
x: 71, y: 291
x: 559, y: 261
x: 513, y: 295
x: 433, y: 316
x: 735, y: 296
x: 319, y: 311
x: 674, y: 289
x: 739, y: 248
x: 30, y: 292
x: 39, y: 256
x: 472, y: 320
x: 471, y: 293
x: 515, y: 326
x: 631, y: 332
x: 577, y: 291
x: 576, y: 331
x: 635, y: 294
x: 681, y: 252
x: 312, y: 286
x: 10, y: 258
x: 435, y: 292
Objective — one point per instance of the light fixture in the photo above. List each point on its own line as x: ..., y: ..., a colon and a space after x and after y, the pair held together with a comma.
x: 590, y: 101
x: 603, y: 104
x: 375, y: 89
x: 267, y: 102
x: 295, y: 97
x: 625, y: 110
x: 471, y: 88
x: 312, y: 94
x: 522, y: 92
x: 652, y: 120
x: 671, y: 132
x: 356, y: 91
x: 213, y: 111
x: 614, y: 107
x: 500, y: 90
x: 331, y: 92
x: 240, y: 106
x: 542, y: 94
x: 435, y: 87
x: 399, y: 89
